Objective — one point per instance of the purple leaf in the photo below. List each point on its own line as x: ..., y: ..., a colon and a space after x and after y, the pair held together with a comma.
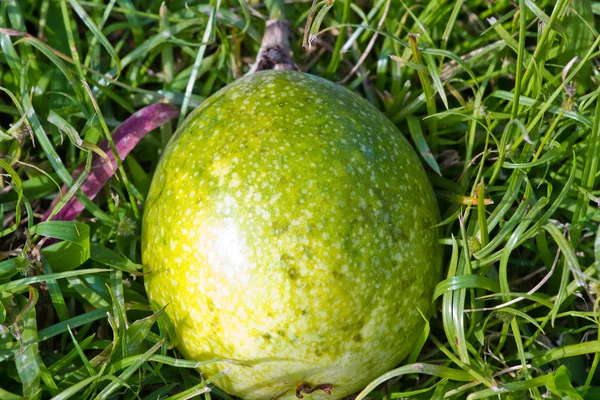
x: 126, y: 137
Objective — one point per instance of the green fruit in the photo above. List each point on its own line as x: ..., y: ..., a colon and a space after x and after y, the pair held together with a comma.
x: 289, y: 226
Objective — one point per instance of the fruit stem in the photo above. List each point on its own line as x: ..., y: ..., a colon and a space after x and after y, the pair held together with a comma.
x: 275, y: 52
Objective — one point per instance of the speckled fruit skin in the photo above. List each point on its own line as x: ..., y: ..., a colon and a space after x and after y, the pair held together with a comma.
x: 289, y: 226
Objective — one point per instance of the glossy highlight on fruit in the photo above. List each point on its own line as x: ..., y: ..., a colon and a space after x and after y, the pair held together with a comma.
x: 289, y: 226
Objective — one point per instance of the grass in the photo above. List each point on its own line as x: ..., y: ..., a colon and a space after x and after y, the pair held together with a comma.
x: 500, y: 98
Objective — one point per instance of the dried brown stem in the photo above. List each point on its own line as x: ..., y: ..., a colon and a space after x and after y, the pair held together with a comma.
x: 305, y: 388
x: 275, y: 52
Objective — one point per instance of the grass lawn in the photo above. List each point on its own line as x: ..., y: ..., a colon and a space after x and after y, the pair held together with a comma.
x: 501, y: 99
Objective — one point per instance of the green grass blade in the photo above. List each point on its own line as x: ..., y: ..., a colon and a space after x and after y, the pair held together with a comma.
x: 97, y: 34
x: 110, y: 389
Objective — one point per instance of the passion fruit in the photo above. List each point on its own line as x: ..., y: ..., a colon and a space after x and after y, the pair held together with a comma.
x: 290, y: 226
